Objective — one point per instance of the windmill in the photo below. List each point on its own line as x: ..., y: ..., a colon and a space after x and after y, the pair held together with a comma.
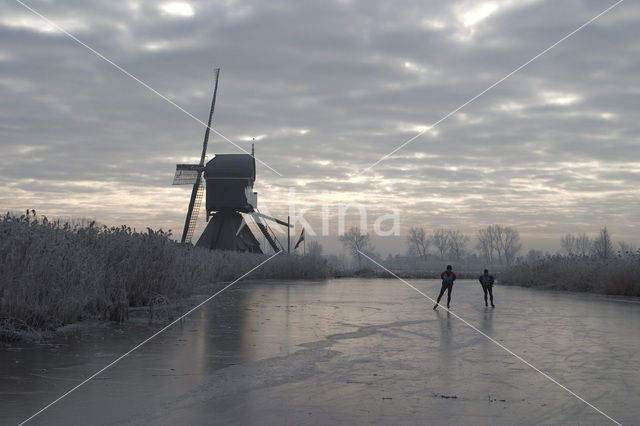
x: 229, y: 183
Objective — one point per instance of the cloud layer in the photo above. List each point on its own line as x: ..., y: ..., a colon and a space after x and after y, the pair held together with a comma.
x: 327, y: 89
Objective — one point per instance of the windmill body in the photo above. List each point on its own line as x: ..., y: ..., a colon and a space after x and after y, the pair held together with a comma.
x: 229, y: 179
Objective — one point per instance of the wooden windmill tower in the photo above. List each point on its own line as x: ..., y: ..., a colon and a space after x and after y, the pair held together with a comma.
x: 229, y: 183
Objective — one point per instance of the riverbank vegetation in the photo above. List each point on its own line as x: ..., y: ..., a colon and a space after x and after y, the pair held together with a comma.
x: 589, y: 264
x: 54, y: 273
x: 615, y: 275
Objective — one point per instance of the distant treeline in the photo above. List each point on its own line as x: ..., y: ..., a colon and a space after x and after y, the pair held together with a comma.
x: 501, y: 245
x: 588, y: 264
x: 54, y: 273
x: 495, y: 244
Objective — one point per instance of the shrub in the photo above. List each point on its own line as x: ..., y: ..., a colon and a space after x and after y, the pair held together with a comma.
x: 618, y: 275
x: 54, y: 273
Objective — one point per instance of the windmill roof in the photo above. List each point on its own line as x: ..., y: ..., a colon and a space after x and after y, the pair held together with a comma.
x: 231, y: 166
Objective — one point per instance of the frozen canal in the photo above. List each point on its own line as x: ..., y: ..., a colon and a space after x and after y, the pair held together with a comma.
x: 344, y: 351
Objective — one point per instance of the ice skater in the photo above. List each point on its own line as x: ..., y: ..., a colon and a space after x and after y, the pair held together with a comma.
x: 487, y: 286
x: 448, y: 277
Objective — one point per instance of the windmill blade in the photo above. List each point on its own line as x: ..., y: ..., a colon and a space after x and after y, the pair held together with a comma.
x: 196, y: 192
x: 213, y: 106
x: 278, y: 221
x: 271, y: 239
x: 186, y: 174
x: 263, y: 227
x: 193, y: 210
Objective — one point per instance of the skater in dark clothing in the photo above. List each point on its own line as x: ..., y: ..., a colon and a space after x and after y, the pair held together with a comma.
x: 448, y: 277
x: 487, y: 286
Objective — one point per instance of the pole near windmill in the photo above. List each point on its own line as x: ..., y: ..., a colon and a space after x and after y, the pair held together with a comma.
x: 196, y: 186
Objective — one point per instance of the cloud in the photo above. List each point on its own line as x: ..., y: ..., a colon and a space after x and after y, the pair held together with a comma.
x: 30, y: 22
x: 180, y: 9
x: 326, y: 89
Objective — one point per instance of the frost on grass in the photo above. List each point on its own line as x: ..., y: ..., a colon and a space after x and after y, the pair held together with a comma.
x: 54, y: 273
x: 619, y: 274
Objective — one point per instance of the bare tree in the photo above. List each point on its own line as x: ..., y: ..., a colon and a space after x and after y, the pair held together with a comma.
x: 356, y: 243
x: 583, y: 244
x: 457, y: 244
x: 602, y: 245
x: 511, y: 244
x: 490, y: 243
x: 418, y: 242
x: 568, y: 243
x: 440, y: 239
x: 485, y: 245
x: 499, y: 244
x: 497, y: 234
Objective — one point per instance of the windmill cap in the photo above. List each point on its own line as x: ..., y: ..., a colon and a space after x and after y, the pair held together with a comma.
x: 231, y: 166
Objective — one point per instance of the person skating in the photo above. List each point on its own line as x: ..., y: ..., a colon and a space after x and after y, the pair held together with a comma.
x: 448, y: 277
x: 487, y: 286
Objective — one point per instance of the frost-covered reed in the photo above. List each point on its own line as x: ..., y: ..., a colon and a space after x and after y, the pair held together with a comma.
x: 54, y: 273
x: 618, y: 274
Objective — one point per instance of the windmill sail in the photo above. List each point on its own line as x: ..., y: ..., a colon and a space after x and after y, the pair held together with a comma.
x: 186, y: 174
x: 196, y: 192
x: 270, y: 239
x: 195, y: 210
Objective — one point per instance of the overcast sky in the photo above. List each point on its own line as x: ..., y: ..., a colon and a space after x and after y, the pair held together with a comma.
x: 327, y: 88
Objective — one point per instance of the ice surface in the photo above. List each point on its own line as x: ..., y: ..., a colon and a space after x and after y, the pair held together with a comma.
x: 344, y: 351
